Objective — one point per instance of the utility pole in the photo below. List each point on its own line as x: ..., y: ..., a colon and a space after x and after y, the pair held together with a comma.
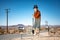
x: 47, y: 25
x: 7, y: 19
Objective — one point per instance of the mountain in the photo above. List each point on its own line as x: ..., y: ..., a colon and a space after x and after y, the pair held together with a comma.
x: 21, y: 25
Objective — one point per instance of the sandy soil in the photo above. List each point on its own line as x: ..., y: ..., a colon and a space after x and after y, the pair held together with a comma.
x: 41, y: 36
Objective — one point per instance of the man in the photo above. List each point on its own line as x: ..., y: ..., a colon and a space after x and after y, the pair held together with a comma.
x: 37, y: 18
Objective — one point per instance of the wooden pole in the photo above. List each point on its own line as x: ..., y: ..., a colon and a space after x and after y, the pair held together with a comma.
x: 7, y: 19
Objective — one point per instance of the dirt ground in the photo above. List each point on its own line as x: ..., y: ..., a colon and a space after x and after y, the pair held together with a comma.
x: 41, y: 36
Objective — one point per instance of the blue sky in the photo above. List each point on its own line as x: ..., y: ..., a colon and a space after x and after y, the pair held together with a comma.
x: 20, y: 11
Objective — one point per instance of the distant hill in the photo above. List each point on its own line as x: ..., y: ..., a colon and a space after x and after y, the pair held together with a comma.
x: 21, y: 25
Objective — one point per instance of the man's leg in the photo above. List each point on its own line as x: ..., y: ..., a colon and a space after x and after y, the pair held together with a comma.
x: 37, y: 26
x: 34, y: 26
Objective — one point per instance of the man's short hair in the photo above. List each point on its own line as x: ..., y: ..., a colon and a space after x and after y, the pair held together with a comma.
x: 35, y: 6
